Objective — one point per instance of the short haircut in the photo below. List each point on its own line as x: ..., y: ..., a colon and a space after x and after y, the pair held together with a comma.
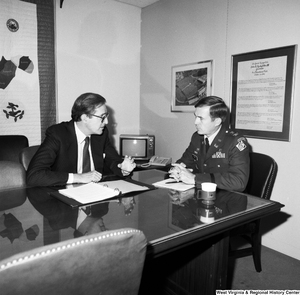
x: 86, y: 104
x: 218, y: 108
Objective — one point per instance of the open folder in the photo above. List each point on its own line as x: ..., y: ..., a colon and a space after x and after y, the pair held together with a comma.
x: 96, y: 192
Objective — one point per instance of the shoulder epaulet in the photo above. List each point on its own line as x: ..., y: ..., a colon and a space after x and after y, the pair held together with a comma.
x: 241, y: 141
x: 232, y: 133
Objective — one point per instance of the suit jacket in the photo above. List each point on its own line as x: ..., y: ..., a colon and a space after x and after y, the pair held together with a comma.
x: 57, y: 156
x: 226, y: 163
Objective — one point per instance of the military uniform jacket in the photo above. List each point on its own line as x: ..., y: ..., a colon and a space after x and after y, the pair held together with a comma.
x: 226, y: 162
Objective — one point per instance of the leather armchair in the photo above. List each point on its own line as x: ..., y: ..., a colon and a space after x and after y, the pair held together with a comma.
x: 26, y: 155
x: 263, y: 172
x: 12, y: 175
x: 10, y: 147
x: 109, y: 263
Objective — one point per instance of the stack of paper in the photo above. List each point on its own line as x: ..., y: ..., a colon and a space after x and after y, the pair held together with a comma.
x: 91, y: 192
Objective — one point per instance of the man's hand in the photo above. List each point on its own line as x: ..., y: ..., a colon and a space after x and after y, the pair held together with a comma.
x: 175, y: 171
x: 92, y: 176
x: 127, y: 165
x: 180, y: 173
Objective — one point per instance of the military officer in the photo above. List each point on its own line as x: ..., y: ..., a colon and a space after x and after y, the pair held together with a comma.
x: 215, y: 153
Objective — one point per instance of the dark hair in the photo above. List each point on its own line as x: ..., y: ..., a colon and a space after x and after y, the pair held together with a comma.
x: 218, y: 108
x: 86, y: 104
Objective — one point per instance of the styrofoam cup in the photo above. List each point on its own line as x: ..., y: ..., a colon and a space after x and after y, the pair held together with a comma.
x: 208, y: 186
x: 208, y: 191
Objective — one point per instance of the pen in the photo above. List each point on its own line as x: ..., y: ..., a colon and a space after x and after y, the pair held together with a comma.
x: 171, y: 182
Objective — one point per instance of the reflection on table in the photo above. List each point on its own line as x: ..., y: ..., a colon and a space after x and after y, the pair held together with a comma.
x: 158, y: 212
x: 190, y: 210
x: 171, y: 221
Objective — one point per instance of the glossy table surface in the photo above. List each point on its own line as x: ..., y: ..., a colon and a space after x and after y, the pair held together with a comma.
x: 31, y: 217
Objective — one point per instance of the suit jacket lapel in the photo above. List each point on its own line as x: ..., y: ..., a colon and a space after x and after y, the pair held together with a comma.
x: 97, y: 147
x: 72, y: 146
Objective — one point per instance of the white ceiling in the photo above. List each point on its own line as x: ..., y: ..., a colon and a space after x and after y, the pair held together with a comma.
x: 138, y: 3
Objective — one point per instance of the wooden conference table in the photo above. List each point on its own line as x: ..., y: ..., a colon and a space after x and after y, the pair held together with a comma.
x: 188, y: 239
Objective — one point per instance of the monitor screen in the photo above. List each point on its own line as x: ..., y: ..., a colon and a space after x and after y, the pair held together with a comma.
x: 134, y: 147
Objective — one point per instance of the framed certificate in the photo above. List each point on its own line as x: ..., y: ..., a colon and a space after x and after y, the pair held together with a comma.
x: 262, y: 91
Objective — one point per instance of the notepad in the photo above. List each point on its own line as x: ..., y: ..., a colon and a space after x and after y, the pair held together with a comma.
x: 170, y: 183
x: 95, y: 192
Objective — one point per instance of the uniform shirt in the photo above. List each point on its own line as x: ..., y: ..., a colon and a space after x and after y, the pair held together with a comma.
x: 226, y: 163
x: 212, y: 137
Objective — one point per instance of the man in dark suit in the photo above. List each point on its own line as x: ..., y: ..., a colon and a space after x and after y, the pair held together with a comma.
x: 216, y: 153
x: 61, y: 158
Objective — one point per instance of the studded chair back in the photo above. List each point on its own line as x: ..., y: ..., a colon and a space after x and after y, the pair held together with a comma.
x: 109, y: 263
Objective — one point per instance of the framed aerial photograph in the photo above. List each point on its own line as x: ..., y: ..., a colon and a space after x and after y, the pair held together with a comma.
x: 262, y: 93
x: 190, y: 82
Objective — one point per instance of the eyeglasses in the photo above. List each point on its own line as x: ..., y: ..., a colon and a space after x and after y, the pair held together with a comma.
x: 102, y: 117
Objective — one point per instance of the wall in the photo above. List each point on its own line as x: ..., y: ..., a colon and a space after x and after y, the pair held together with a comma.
x: 98, y: 50
x: 176, y: 32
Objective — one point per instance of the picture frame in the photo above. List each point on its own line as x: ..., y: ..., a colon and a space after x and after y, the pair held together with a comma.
x: 190, y: 82
x: 262, y: 93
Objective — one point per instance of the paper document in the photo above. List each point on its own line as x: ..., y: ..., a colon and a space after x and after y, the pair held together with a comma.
x: 125, y: 186
x: 94, y: 192
x: 171, y: 183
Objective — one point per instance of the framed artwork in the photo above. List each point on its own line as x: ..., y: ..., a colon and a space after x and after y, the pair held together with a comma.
x: 262, y: 92
x: 190, y: 82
